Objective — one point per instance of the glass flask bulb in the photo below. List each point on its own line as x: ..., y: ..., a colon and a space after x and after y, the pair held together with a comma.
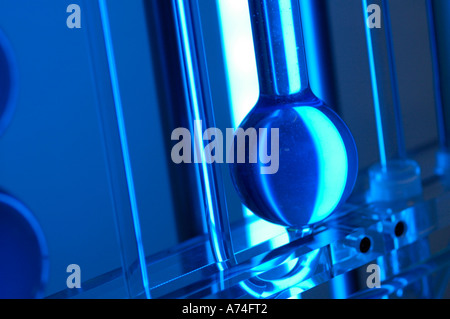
x: 317, y: 162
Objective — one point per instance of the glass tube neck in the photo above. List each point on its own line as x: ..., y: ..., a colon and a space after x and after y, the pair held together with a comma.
x: 279, y: 47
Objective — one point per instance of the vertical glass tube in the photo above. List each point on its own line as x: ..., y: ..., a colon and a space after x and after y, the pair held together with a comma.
x: 443, y: 130
x: 439, y: 52
x: 109, y: 107
x: 396, y: 177
x: 200, y: 105
x: 385, y: 86
x: 278, y: 39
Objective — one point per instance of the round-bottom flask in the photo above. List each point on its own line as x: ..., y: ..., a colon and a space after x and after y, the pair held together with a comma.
x: 306, y: 156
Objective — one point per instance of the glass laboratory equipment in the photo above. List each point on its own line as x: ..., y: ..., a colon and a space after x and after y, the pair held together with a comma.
x: 89, y: 154
x: 177, y: 58
x: 183, y: 68
x: 200, y: 107
x: 314, y: 157
x: 395, y: 177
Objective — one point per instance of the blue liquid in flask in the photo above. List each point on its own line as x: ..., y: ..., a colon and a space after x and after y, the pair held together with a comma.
x: 317, y: 163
